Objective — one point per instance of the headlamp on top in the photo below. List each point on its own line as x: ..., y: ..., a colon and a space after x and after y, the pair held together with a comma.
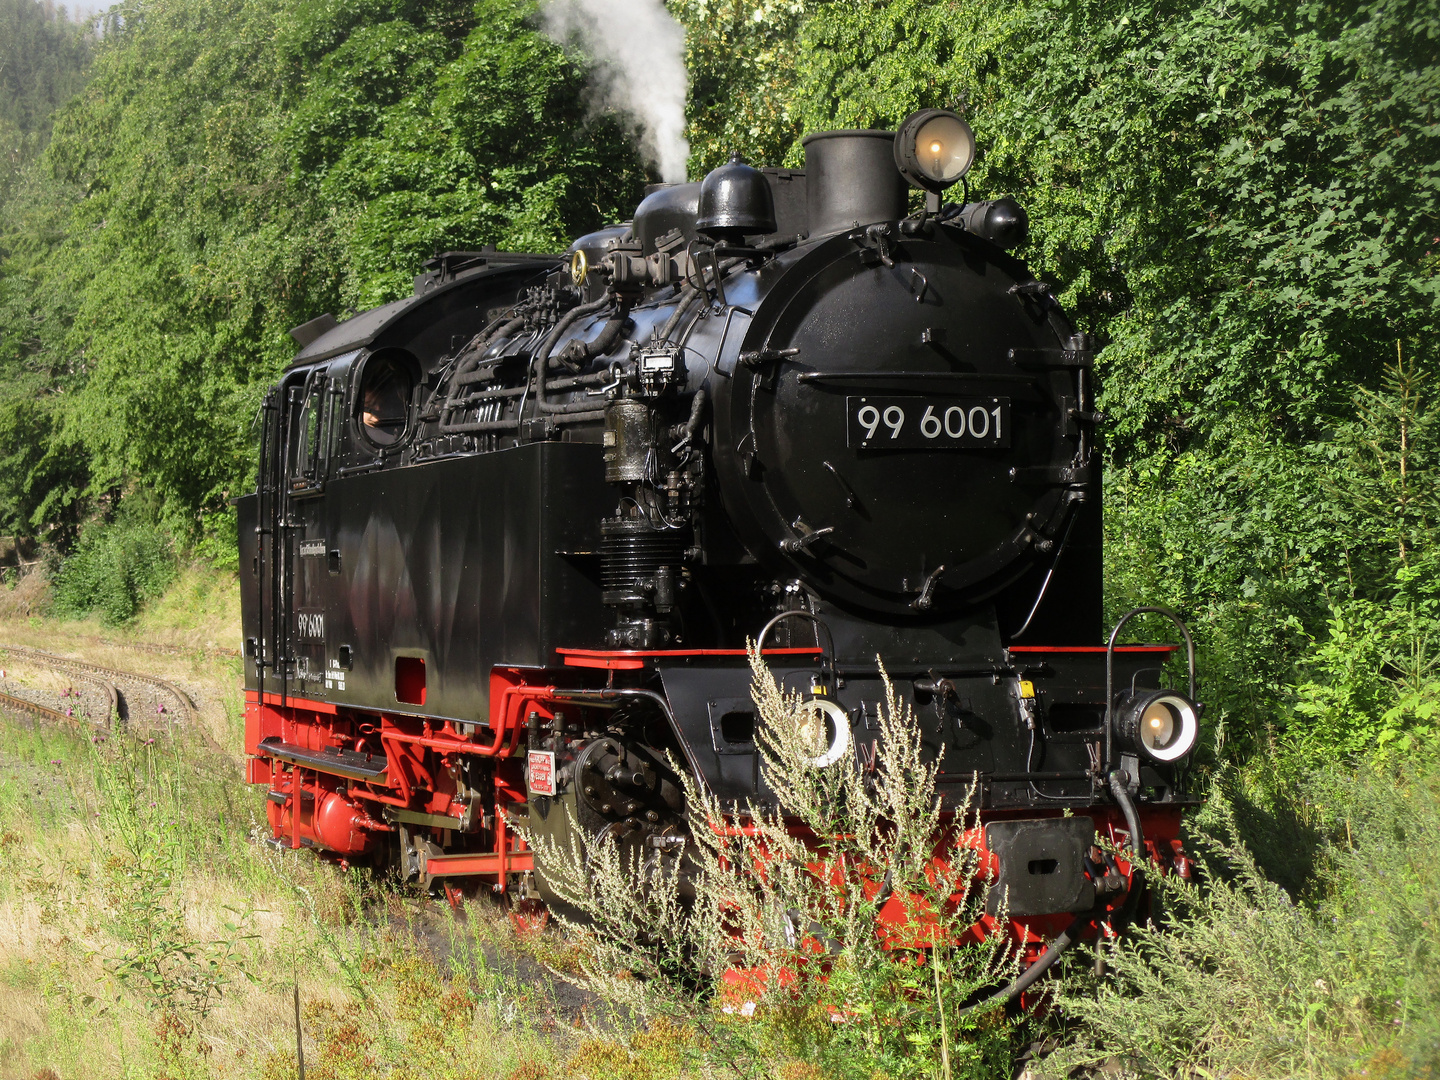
x: 1159, y: 724
x: 934, y: 148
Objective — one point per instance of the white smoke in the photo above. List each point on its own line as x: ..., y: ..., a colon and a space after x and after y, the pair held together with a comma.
x: 639, y: 52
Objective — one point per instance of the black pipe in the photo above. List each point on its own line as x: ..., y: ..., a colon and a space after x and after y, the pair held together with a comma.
x: 500, y: 393
x: 692, y: 425
x: 1045, y: 585
x: 687, y: 297
x: 1031, y: 975
x: 1118, y: 782
x: 501, y: 326
x: 578, y: 353
x: 688, y: 294
x: 1002, y: 778
x: 483, y: 427
x: 581, y: 411
x: 514, y: 326
x: 1069, y: 935
x: 471, y: 355
x: 542, y: 355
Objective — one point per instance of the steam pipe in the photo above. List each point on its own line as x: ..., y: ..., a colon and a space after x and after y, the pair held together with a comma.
x: 472, y: 353
x: 500, y: 393
x: 687, y: 296
x: 542, y: 355
x: 696, y: 421
x: 585, y: 412
x: 490, y: 427
x: 577, y: 353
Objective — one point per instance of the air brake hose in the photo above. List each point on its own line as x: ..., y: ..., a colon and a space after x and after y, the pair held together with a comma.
x: 1118, y: 782
x: 1031, y: 975
x: 1082, y: 923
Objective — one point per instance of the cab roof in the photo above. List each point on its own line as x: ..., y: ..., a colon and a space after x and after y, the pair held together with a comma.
x: 324, y: 337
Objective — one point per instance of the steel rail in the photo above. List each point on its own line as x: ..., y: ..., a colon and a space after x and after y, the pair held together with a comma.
x: 187, y: 707
x: 19, y: 704
x: 108, y: 688
x: 167, y: 650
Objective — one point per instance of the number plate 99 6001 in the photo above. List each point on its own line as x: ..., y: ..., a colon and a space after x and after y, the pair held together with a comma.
x: 926, y: 423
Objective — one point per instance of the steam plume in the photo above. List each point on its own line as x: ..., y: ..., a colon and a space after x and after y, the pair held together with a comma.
x: 639, y: 50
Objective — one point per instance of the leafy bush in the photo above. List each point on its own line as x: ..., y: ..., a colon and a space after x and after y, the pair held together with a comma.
x: 1370, y: 685
x: 773, y: 915
x: 114, y: 569
x: 1339, y: 978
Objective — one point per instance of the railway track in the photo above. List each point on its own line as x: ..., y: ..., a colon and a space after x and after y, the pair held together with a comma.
x: 110, y: 686
x: 19, y: 704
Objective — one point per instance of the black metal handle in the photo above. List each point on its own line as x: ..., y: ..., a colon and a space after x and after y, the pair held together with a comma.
x: 820, y: 623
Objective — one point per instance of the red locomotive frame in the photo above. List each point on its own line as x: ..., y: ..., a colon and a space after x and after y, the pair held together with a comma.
x: 346, y: 763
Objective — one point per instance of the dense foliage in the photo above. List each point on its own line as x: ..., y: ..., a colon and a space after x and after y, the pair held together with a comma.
x: 116, y: 566
x: 233, y: 169
x: 43, y: 58
x: 1310, y: 949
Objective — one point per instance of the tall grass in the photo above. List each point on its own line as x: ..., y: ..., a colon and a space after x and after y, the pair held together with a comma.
x: 1336, y: 976
x: 144, y: 933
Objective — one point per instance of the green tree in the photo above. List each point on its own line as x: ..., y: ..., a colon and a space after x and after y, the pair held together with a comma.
x: 743, y: 69
x: 43, y: 60
x: 236, y: 168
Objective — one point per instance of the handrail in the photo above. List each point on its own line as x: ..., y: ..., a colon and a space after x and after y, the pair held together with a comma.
x: 820, y: 624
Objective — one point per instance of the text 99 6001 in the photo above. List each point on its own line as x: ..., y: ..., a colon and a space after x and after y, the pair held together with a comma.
x: 928, y: 423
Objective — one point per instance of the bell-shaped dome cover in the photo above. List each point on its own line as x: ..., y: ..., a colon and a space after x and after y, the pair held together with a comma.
x: 735, y: 201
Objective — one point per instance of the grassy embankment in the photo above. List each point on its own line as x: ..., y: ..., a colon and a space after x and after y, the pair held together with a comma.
x: 143, y: 932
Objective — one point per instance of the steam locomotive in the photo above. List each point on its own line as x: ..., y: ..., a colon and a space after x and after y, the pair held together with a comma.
x: 511, y: 535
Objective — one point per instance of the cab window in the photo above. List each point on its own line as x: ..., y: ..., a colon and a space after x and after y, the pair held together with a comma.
x: 382, y: 399
x: 307, y: 431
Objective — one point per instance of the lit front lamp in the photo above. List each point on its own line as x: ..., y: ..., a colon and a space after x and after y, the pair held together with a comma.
x: 1160, y: 724
x: 934, y: 148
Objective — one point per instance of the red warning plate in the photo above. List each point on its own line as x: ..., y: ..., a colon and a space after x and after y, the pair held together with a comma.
x: 541, y: 770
